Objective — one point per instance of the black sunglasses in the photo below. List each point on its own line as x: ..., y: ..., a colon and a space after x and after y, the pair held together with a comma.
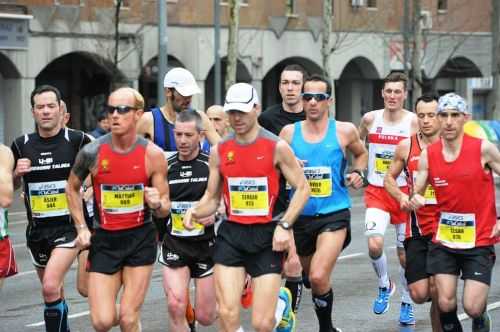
x: 121, y: 109
x: 317, y: 96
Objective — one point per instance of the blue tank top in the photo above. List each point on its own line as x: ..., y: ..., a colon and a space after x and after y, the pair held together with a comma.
x: 324, y: 171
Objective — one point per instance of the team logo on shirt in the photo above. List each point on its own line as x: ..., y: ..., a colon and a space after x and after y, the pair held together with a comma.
x: 230, y: 156
x: 378, y: 130
x: 105, y: 165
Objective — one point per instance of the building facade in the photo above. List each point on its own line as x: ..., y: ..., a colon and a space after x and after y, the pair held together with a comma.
x: 73, y: 45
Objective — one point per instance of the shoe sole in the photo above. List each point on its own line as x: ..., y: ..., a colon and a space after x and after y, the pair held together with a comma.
x: 393, y: 290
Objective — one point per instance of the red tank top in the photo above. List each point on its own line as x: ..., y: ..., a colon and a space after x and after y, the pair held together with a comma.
x: 422, y: 221
x: 119, y: 187
x: 250, y: 180
x: 466, y: 196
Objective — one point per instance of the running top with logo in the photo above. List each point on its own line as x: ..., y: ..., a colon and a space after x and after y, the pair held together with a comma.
x: 119, y: 185
x: 250, y: 179
x: 324, y: 171
x: 4, y: 222
x: 45, y: 185
x: 382, y: 141
x: 164, y: 134
x: 187, y: 181
x: 421, y: 221
x: 465, y: 194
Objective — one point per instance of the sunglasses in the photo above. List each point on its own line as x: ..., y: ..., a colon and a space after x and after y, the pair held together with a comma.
x: 121, y: 109
x: 317, y: 96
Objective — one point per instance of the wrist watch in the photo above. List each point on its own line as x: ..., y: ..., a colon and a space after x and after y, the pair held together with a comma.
x: 285, y: 225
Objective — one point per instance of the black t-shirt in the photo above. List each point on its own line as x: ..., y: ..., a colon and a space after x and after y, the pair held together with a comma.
x: 274, y: 118
x: 51, y: 161
x: 187, y: 181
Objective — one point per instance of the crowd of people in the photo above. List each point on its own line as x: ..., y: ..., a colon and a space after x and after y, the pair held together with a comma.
x: 238, y: 198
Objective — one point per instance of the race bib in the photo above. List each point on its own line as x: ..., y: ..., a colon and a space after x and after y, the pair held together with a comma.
x: 383, y: 160
x: 122, y: 198
x: 429, y: 194
x: 457, y: 230
x: 177, y: 212
x: 320, y: 180
x: 249, y: 196
x: 48, y: 199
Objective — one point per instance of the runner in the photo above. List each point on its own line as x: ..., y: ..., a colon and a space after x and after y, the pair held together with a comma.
x: 157, y: 125
x: 186, y: 253
x: 218, y: 117
x: 383, y: 129
x: 290, y: 110
x: 245, y: 168
x: 43, y: 161
x: 323, y: 229
x: 420, y: 225
x: 8, y: 266
x: 129, y: 180
x: 460, y: 167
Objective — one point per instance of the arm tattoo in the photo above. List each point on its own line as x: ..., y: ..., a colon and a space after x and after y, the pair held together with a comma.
x: 85, y: 160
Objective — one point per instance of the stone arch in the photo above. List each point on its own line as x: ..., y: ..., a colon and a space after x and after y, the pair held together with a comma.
x: 7, y: 68
x: 85, y: 80
x: 270, y: 82
x: 242, y: 75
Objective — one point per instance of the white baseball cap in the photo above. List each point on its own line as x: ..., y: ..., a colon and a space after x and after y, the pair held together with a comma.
x: 241, y: 97
x: 182, y: 81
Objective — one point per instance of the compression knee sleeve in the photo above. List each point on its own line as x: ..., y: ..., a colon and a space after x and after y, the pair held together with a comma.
x: 450, y: 322
x: 56, y: 316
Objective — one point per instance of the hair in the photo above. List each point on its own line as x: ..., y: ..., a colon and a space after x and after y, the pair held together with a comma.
x: 320, y: 78
x: 45, y: 88
x: 296, y: 67
x: 138, y: 98
x: 427, y: 98
x: 396, y: 77
x: 101, y: 116
x: 190, y: 116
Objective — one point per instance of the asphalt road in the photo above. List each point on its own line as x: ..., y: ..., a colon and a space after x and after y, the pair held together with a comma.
x: 353, y: 281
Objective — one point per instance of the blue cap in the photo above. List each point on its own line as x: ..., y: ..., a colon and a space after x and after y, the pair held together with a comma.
x: 452, y: 101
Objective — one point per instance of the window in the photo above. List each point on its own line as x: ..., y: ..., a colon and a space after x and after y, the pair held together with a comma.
x: 125, y: 4
x: 442, y: 5
x: 243, y: 3
x: 371, y: 4
x: 290, y: 7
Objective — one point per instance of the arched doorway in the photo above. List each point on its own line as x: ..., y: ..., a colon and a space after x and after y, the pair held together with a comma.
x: 358, y: 90
x: 8, y: 78
x: 85, y: 80
x: 270, y: 83
x: 149, y: 78
x: 242, y: 75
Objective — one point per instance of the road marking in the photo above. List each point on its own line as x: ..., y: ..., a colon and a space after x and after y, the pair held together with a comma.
x: 18, y: 222
x: 79, y: 314
x: 491, y: 306
x: 17, y: 213
x: 17, y: 245
x: 351, y: 255
x: 24, y: 273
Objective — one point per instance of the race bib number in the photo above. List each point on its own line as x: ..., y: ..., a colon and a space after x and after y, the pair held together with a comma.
x: 48, y: 199
x: 249, y: 196
x: 457, y: 230
x: 429, y: 194
x: 177, y: 212
x: 383, y: 160
x: 122, y: 198
x: 320, y: 180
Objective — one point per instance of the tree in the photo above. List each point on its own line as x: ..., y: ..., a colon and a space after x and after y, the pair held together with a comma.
x: 326, y: 48
x: 494, y: 112
x: 232, y: 44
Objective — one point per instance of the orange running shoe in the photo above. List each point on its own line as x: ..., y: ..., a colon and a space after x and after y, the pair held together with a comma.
x: 190, y: 317
x: 247, y: 295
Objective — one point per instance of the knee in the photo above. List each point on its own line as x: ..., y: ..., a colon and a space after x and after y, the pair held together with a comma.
x: 263, y: 324
x: 205, y: 316
x: 474, y: 310
x: 319, y: 280
x: 102, y: 324
x: 375, y: 247
x: 228, y: 314
x: 83, y: 290
x: 418, y: 296
x: 128, y: 318
x: 51, y: 289
x: 176, y: 307
x: 447, y: 304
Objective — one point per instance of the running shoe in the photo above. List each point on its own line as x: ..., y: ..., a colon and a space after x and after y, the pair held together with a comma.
x: 381, y: 303
x: 482, y: 323
x: 190, y: 317
x: 247, y: 295
x: 288, y: 322
x: 406, y: 316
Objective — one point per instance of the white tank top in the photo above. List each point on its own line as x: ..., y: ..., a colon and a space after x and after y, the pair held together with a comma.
x: 382, y: 141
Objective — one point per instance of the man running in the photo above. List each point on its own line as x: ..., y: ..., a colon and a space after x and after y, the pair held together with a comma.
x: 187, y: 254
x: 157, y: 125
x: 460, y: 167
x: 43, y: 161
x: 323, y: 228
x: 420, y: 225
x: 8, y: 266
x: 218, y: 117
x: 383, y: 130
x: 129, y: 180
x: 289, y: 111
x: 245, y: 168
